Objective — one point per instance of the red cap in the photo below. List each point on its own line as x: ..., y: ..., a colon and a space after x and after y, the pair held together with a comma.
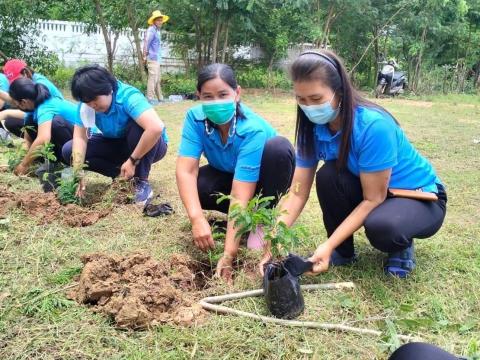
x: 13, y: 68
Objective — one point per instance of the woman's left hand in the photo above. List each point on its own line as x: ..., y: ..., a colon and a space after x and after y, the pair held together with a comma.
x: 321, y: 258
x: 20, y: 169
x: 127, y: 170
x: 224, y: 269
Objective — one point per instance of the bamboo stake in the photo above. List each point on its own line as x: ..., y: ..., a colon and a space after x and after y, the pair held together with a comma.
x: 210, y: 304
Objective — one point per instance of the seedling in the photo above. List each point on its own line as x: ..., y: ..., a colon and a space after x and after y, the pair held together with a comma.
x: 15, y: 157
x: 67, y: 190
x: 258, y: 212
x: 215, y: 255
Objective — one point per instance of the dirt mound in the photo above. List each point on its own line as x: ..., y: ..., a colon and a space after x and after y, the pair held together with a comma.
x: 138, y: 291
x: 46, y: 209
x: 6, y: 201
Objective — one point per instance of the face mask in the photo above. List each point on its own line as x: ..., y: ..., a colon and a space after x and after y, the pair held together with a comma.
x: 219, y: 111
x: 320, y: 114
x: 87, y: 115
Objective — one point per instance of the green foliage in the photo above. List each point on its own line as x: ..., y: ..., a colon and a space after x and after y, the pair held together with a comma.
x: 67, y: 190
x: 15, y: 157
x: 259, y: 213
x: 179, y: 84
x: 63, y: 77
x: 45, y: 152
x: 259, y: 77
x: 129, y: 74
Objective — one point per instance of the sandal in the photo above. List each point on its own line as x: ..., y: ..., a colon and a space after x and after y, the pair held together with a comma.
x: 154, y: 210
x: 401, y: 263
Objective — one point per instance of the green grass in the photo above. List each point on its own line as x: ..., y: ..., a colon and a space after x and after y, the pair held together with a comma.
x: 440, y: 302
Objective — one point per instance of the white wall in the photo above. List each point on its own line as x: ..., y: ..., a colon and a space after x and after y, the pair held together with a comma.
x: 74, y: 47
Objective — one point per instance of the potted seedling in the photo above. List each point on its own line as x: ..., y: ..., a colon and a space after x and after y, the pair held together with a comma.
x: 46, y: 171
x: 280, y: 282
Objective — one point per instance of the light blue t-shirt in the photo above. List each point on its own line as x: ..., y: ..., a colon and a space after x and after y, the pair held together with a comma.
x: 4, y: 85
x: 377, y: 143
x: 241, y: 155
x: 53, y: 106
x: 40, y: 79
x: 128, y: 103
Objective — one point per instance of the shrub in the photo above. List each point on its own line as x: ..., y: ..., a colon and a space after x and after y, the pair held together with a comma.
x: 179, y: 84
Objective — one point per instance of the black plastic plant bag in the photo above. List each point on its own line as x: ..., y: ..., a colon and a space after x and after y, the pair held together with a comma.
x: 281, y: 286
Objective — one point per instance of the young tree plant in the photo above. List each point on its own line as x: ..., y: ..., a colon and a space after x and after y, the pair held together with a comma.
x: 280, y: 238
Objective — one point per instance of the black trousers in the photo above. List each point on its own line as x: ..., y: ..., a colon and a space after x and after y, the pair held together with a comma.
x: 390, y: 227
x: 62, y: 131
x: 276, y: 173
x: 421, y: 351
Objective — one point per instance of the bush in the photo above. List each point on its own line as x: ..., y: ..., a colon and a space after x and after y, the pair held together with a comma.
x: 179, y: 84
x: 63, y: 77
x: 259, y: 78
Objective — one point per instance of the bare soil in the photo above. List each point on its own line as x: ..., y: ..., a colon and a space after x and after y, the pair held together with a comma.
x: 138, y: 292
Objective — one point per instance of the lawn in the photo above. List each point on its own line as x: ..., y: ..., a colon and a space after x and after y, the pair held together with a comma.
x: 440, y: 303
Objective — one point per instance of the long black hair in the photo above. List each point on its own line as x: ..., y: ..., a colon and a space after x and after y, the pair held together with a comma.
x: 328, y: 68
x: 26, y: 89
x: 91, y: 81
x: 222, y: 71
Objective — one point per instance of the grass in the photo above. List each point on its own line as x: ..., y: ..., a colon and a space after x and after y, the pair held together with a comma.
x: 440, y: 302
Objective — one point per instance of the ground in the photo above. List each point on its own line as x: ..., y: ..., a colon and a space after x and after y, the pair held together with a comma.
x: 440, y: 303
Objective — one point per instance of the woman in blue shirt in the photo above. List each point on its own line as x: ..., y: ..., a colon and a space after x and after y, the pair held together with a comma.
x: 244, y: 154
x: 366, y: 154
x: 48, y: 121
x: 14, y: 69
x: 132, y: 135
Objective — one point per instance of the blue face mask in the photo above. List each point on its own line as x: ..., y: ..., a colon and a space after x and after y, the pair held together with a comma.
x: 320, y: 114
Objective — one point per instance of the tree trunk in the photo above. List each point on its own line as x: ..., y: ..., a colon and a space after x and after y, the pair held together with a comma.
x: 326, y: 29
x: 198, y: 43
x: 106, y: 35
x: 225, y: 42
x: 419, y: 59
x: 136, y: 38
x: 218, y: 25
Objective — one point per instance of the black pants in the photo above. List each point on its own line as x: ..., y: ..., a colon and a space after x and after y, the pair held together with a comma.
x: 106, y: 155
x: 421, y: 351
x: 61, y: 133
x: 390, y: 227
x: 276, y: 173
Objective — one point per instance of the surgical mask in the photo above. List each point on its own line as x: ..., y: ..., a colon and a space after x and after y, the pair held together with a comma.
x: 87, y: 115
x: 321, y: 114
x: 219, y: 111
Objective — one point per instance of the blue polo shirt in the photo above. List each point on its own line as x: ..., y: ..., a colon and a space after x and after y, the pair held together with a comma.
x: 128, y: 103
x: 241, y: 155
x: 377, y: 143
x: 53, y: 106
x: 40, y: 79
x: 4, y: 85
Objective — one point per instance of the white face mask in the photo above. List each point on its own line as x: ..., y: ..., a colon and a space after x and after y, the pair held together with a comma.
x: 87, y: 115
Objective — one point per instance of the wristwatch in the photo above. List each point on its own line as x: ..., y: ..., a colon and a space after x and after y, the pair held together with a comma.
x: 134, y: 161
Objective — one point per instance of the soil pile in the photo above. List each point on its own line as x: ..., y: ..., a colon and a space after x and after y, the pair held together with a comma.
x: 138, y: 291
x: 6, y: 201
x: 46, y: 209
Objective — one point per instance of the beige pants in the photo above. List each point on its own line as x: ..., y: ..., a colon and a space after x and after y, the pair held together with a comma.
x: 154, y: 89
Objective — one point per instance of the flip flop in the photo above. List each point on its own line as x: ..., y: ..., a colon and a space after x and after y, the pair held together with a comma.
x: 154, y: 210
x: 401, y: 263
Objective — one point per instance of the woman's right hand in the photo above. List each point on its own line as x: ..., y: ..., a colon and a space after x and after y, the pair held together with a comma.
x: 202, y: 234
x: 81, y: 189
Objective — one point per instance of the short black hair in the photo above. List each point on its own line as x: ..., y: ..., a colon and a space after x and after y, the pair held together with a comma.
x: 212, y: 71
x: 91, y: 81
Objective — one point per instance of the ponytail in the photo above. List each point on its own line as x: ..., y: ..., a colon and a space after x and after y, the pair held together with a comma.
x: 24, y: 88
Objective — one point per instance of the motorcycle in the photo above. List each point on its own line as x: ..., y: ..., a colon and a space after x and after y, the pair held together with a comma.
x: 390, y: 81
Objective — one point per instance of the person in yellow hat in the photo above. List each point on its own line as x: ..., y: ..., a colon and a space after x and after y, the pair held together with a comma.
x: 152, y: 54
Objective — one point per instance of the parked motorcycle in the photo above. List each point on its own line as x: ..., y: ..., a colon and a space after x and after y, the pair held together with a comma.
x: 390, y: 81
